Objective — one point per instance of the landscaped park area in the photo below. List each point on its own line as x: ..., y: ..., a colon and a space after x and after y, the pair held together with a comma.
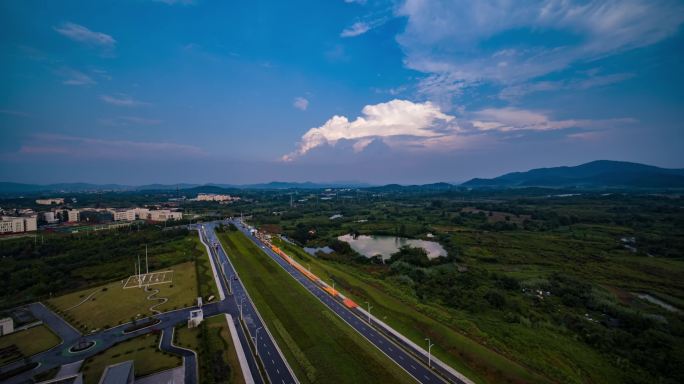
x: 121, y: 301
x: 25, y: 343
x: 218, y: 361
x: 143, y: 350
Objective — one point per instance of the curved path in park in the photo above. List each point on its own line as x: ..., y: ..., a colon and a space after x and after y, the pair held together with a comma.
x: 82, y: 301
x: 162, y: 300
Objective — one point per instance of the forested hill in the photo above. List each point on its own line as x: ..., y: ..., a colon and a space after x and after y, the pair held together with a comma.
x: 596, y: 174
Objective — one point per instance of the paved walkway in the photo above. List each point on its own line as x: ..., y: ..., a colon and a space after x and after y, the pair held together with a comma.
x: 189, y: 357
x: 58, y: 325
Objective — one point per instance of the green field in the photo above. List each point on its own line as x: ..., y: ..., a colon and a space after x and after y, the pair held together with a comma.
x: 205, y: 277
x: 215, y: 350
x: 417, y: 321
x: 144, y: 352
x: 111, y: 305
x: 322, y: 349
x: 28, y: 342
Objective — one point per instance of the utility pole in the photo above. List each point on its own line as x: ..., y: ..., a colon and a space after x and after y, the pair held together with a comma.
x: 256, y: 341
x: 147, y: 268
x: 369, y: 313
x: 429, y: 348
x: 241, y: 302
x: 230, y: 285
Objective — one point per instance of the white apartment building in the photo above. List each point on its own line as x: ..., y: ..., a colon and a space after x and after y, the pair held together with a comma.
x: 165, y: 214
x: 11, y: 224
x: 142, y: 213
x: 6, y: 326
x: 215, y: 197
x: 123, y: 214
x: 49, y: 217
x: 50, y: 201
x: 74, y: 215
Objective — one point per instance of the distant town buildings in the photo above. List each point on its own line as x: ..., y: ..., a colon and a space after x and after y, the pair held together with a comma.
x: 50, y: 201
x: 18, y: 224
x: 145, y: 214
x: 215, y: 197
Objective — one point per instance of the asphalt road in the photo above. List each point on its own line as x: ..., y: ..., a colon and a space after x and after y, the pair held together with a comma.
x: 418, y: 369
x: 273, y: 361
x: 189, y: 358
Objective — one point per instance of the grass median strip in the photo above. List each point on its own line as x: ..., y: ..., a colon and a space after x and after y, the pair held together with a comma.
x: 302, y: 326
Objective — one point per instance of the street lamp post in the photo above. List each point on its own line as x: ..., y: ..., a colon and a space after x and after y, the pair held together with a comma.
x: 256, y: 341
x: 429, y: 349
x: 369, y: 313
x: 230, y: 284
x: 241, y: 302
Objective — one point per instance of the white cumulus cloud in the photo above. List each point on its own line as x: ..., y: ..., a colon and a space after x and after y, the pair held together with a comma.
x: 393, y: 119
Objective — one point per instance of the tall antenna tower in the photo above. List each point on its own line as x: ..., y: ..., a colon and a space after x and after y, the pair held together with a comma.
x: 139, y: 282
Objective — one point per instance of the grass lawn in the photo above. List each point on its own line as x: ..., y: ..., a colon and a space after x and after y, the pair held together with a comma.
x: 111, y: 305
x: 27, y: 342
x: 220, y: 343
x: 319, y: 346
x: 417, y: 321
x: 142, y: 350
x: 205, y: 277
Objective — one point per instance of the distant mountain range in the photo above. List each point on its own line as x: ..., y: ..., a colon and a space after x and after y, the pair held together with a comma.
x: 596, y: 174
x: 19, y: 188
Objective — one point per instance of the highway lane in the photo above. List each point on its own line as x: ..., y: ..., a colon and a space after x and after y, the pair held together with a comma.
x: 418, y: 369
x: 274, y: 362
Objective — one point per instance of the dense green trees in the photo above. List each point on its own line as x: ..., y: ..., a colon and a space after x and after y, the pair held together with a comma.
x: 32, y: 269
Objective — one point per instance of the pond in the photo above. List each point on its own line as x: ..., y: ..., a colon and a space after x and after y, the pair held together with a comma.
x: 385, y: 246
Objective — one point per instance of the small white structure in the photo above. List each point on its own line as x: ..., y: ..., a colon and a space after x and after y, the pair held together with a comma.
x: 196, y: 318
x: 49, y: 217
x: 6, y: 326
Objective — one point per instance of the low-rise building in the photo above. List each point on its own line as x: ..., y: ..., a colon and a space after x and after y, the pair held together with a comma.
x: 6, y: 326
x: 123, y: 214
x: 17, y: 224
x: 49, y: 217
x: 216, y: 197
x: 121, y: 373
x: 164, y: 215
x: 74, y: 215
x: 50, y: 201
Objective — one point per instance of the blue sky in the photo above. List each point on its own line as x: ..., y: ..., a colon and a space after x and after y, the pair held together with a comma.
x: 390, y: 91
